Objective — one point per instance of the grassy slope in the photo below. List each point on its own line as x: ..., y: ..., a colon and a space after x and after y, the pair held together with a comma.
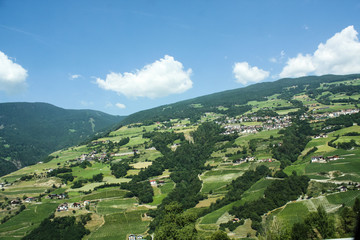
x: 122, y: 216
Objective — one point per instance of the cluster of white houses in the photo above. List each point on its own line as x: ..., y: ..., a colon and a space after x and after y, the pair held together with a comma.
x: 134, y: 237
x: 92, y: 156
x: 273, y: 123
x: 322, y: 159
x: 252, y: 159
x: 268, y: 123
x: 72, y: 206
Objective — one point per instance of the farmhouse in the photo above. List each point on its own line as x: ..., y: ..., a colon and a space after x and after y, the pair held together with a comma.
x: 57, y: 196
x: 320, y: 136
x: 153, y: 183
x: 134, y: 237
x: 333, y: 158
x: 30, y: 199
x: 15, y: 202
x: 63, y: 207
x: 342, y: 188
x: 265, y: 160
x: 76, y: 205
x: 318, y: 159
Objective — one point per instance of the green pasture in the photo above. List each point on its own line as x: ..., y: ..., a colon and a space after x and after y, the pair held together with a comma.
x: 244, y: 139
x: 112, y: 193
x: 293, y: 213
x: 110, y: 206
x: 162, y: 192
x: 253, y: 193
x: 128, y: 131
x: 343, y: 165
x: 21, y: 224
x: 287, y: 111
x: 63, y: 156
x: 270, y: 103
x: 211, y: 218
x: 23, y: 191
x: 120, y: 225
x: 257, y: 190
x: 347, y: 198
x: 113, y: 179
x: 348, y: 139
x: 333, y: 108
x: 298, y: 168
x: 343, y: 131
x: 215, y: 180
x: 89, y: 172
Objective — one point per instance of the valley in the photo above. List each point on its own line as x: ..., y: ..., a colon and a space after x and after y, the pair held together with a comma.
x: 201, y: 172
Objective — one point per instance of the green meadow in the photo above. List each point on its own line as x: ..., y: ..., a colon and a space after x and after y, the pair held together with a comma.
x: 120, y: 225
x: 21, y: 224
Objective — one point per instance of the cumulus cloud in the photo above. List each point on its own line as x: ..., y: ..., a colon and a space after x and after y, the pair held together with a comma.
x: 245, y: 74
x: 158, y: 79
x: 12, y: 75
x: 120, y: 105
x: 339, y: 55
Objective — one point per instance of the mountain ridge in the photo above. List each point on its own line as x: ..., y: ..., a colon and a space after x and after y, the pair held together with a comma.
x: 31, y: 131
x: 229, y: 98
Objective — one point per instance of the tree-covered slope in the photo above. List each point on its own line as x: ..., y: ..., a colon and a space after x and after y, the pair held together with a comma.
x: 30, y: 131
x: 235, y: 100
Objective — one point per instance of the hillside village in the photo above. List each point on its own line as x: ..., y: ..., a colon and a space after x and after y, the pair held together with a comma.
x: 103, y: 183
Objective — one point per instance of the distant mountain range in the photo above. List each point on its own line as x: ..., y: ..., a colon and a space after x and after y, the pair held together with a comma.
x: 31, y: 131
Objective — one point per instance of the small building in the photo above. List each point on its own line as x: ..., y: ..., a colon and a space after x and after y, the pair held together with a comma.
x: 15, y: 202
x: 30, y: 199
x: 318, y: 159
x: 153, y: 183
x: 342, y: 188
x: 76, y: 205
x: 63, y: 207
x: 132, y: 237
x: 333, y: 158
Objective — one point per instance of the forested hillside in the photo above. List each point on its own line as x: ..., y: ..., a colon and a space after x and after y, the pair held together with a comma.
x: 30, y: 131
x: 287, y: 166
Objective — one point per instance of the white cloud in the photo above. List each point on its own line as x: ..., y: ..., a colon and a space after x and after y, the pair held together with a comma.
x: 339, y: 55
x: 245, y: 74
x: 120, y: 105
x: 298, y: 67
x: 159, y: 79
x: 12, y: 75
x: 74, y: 76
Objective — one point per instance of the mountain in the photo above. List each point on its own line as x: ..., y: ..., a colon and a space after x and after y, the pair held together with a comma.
x: 235, y: 101
x: 287, y: 166
x: 30, y: 131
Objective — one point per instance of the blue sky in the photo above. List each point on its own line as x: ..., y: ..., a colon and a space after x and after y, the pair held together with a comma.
x: 121, y: 57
